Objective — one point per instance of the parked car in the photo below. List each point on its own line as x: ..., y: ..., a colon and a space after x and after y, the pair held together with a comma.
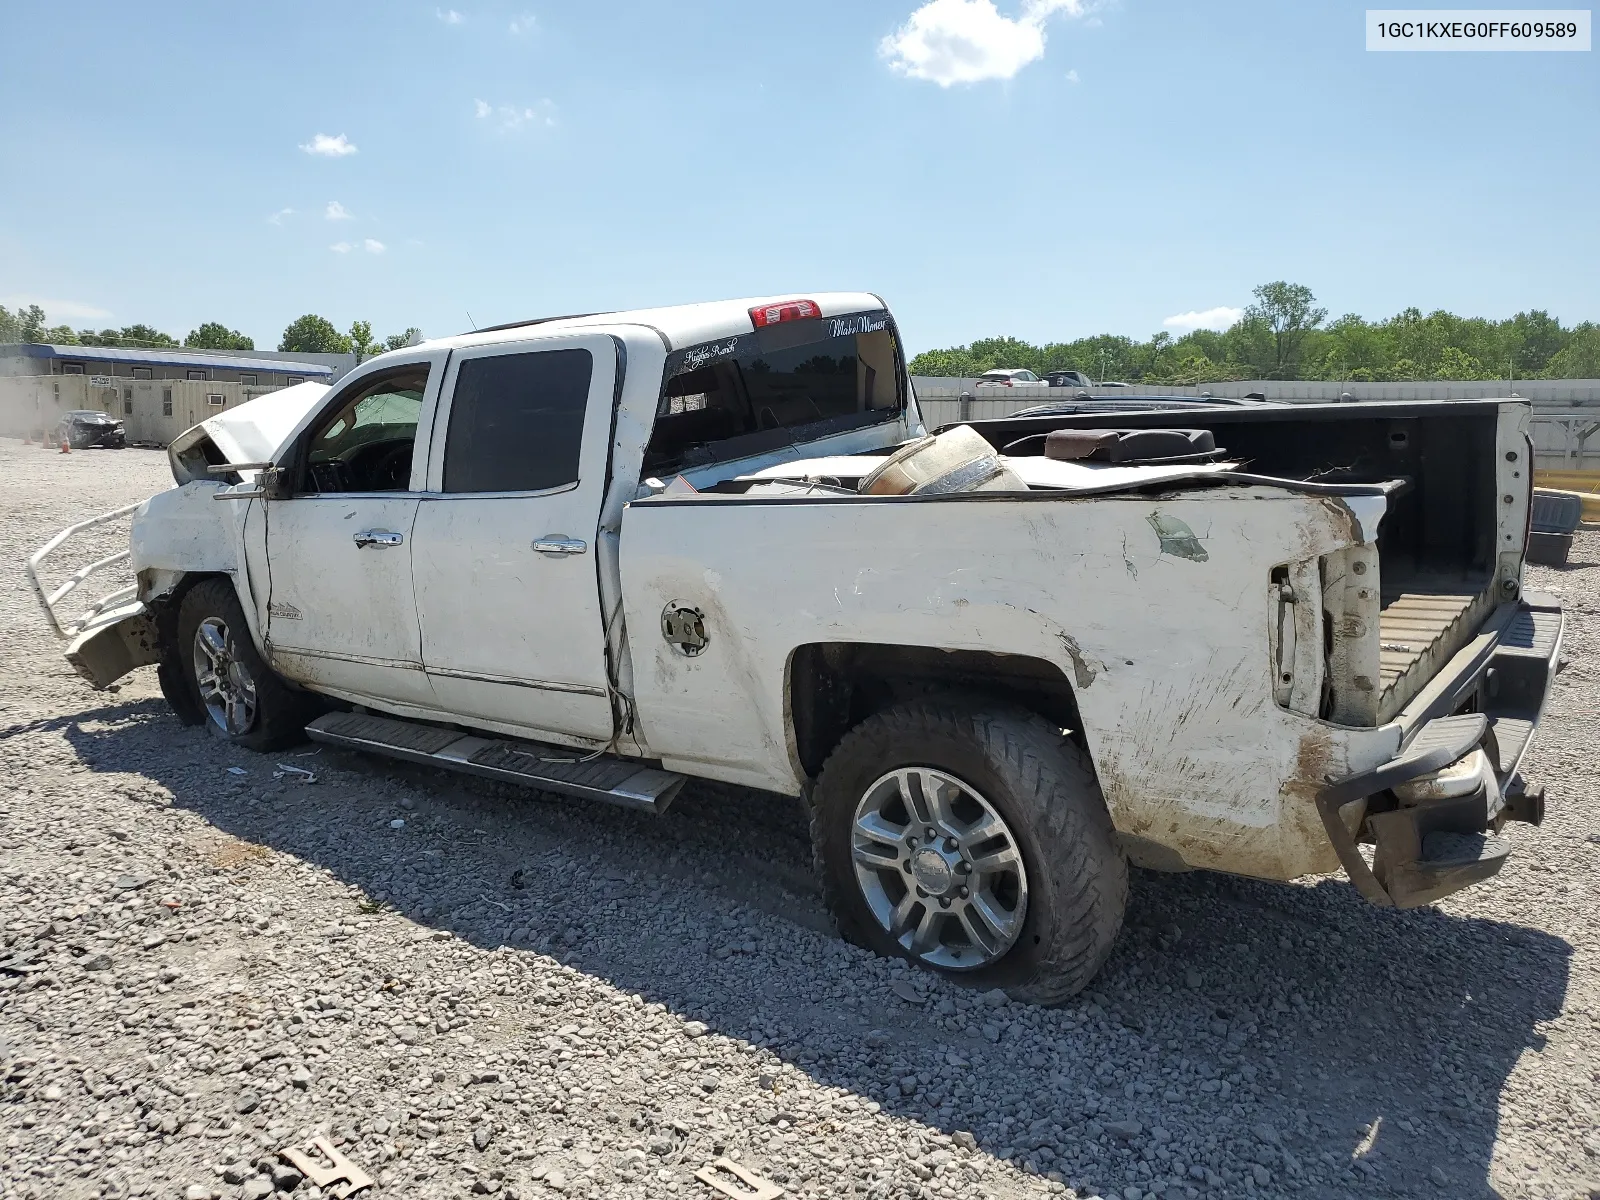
x: 1006, y: 378
x: 996, y: 664
x: 1076, y: 379
x: 81, y: 428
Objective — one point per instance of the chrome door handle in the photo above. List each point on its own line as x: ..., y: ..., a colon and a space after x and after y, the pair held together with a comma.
x: 378, y: 537
x: 556, y: 543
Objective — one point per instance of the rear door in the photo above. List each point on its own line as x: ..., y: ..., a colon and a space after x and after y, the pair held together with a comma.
x: 504, y: 559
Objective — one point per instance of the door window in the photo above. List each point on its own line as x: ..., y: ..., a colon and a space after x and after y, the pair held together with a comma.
x: 516, y: 422
x: 364, y: 442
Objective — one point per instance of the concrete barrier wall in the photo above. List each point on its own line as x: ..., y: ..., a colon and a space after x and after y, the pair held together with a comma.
x: 1566, y: 391
x: 153, y: 411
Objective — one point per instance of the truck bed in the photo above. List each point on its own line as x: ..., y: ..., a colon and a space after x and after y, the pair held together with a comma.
x: 1438, y: 545
x: 1423, y: 621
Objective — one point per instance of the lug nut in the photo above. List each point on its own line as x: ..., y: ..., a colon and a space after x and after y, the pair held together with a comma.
x: 963, y: 893
x: 964, y: 867
x: 921, y: 895
x: 912, y: 841
x: 952, y: 845
x: 932, y: 833
x: 944, y: 901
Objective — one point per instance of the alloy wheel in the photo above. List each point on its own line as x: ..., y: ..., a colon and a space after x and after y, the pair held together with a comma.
x: 939, y: 868
x: 226, y: 689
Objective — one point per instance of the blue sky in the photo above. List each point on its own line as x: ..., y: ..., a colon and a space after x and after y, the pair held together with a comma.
x: 1112, y: 166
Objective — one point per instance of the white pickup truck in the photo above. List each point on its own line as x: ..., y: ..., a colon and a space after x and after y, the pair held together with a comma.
x: 601, y: 554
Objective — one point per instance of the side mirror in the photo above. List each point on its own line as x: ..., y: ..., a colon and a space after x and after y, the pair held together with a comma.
x: 277, y: 483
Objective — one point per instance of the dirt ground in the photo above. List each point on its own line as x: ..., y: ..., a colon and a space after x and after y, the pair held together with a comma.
x: 474, y: 990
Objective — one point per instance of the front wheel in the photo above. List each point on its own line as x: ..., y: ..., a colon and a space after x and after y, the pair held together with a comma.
x: 238, y: 696
x: 973, y: 841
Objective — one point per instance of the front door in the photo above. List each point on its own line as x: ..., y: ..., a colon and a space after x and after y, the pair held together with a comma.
x: 340, y: 611
x: 504, y: 558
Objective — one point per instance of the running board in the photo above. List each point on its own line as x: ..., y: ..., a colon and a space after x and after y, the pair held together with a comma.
x: 551, y: 768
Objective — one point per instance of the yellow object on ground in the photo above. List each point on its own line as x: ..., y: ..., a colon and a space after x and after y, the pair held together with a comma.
x: 1587, y: 483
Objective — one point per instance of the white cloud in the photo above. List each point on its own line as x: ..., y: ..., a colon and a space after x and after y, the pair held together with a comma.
x: 341, y: 247
x: 524, y: 23
x: 1072, y: 77
x: 277, y: 217
x: 968, y: 41
x: 57, y: 310
x: 337, y: 212
x: 373, y: 246
x: 510, y: 117
x: 1218, y: 318
x: 325, y: 146
x: 449, y: 16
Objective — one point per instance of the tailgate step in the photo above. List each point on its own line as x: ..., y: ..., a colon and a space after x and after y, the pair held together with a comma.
x: 550, y: 768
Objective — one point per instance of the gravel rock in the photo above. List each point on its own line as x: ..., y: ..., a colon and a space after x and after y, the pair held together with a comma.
x: 525, y: 995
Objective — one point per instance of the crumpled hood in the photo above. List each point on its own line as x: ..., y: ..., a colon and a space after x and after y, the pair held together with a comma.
x: 252, y: 432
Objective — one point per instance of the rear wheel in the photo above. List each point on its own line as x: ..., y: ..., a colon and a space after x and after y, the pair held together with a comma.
x: 973, y: 841
x: 236, y: 694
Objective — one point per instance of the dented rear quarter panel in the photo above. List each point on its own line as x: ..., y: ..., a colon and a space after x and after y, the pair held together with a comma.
x: 1153, y: 608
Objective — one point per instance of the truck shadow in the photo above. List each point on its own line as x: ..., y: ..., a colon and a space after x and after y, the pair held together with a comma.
x: 1302, y: 1040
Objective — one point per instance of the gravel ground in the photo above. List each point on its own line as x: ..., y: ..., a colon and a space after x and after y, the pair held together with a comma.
x: 510, y: 993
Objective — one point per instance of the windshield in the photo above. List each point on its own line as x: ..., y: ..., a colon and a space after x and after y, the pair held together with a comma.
x: 787, y: 383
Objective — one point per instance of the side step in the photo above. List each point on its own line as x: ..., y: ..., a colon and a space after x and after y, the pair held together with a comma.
x: 551, y: 768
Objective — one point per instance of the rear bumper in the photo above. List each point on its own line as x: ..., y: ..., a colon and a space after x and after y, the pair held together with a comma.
x: 1433, y: 828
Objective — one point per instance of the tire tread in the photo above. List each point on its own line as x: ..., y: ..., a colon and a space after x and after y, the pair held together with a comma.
x: 1052, y: 780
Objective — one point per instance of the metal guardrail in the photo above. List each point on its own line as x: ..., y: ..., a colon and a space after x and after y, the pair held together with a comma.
x: 49, y: 600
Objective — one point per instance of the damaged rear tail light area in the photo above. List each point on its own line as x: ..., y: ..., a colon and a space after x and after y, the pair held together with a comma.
x: 1322, y: 634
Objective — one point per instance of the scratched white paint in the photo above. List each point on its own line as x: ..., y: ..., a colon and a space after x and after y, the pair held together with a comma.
x: 1172, y: 659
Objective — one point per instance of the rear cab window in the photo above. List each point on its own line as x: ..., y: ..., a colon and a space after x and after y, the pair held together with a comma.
x: 791, y: 382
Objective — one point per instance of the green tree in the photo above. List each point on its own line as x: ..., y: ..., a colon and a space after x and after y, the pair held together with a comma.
x: 1580, y: 357
x: 1536, y: 338
x: 10, y: 325
x: 1287, y: 311
x: 144, y: 335
x: 312, y: 334
x: 953, y: 363
x: 397, y: 341
x: 361, y: 339
x: 30, y: 323
x: 213, y: 335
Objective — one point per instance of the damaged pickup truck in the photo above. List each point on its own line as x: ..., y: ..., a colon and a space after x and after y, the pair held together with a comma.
x: 1000, y: 662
